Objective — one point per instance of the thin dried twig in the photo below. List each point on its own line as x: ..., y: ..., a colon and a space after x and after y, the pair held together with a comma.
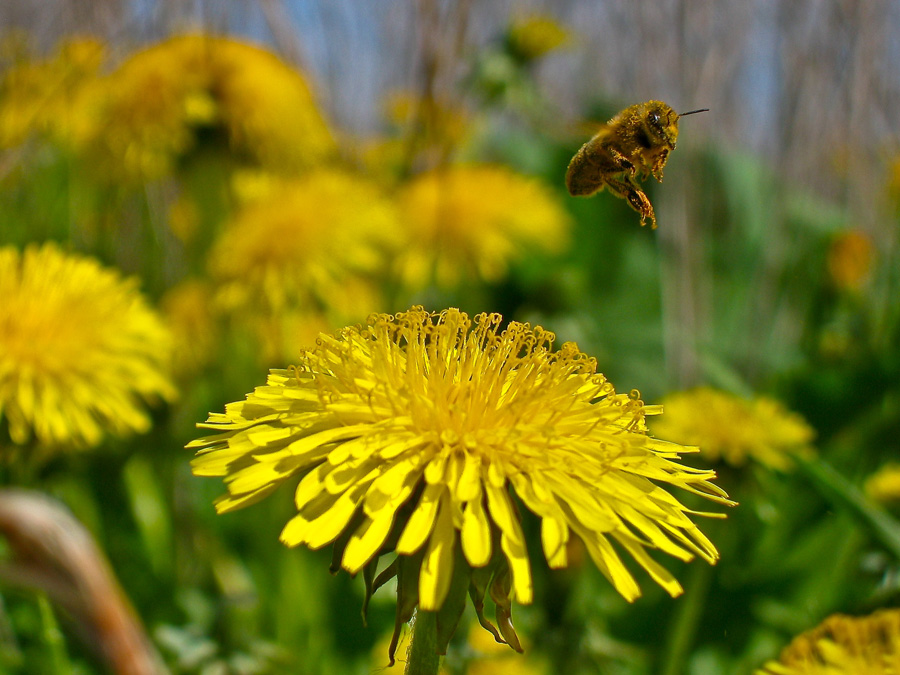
x: 54, y: 553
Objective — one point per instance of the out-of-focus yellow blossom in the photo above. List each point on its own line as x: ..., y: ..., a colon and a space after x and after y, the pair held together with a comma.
x: 50, y: 97
x: 397, y: 666
x: 277, y: 334
x: 80, y: 349
x: 492, y: 658
x: 883, y: 486
x: 488, y: 657
x: 184, y: 219
x: 312, y: 244
x: 893, y: 185
x: 732, y: 429
x: 844, y: 645
x: 465, y: 221
x: 188, y: 310
x: 253, y: 185
x: 409, y: 436
x: 534, y: 36
x: 850, y: 260
x: 443, y: 123
x: 424, y: 132
x: 160, y: 102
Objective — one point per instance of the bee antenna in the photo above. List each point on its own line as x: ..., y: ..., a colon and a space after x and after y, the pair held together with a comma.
x: 694, y: 111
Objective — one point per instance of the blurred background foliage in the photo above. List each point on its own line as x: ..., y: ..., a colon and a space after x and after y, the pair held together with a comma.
x: 271, y: 169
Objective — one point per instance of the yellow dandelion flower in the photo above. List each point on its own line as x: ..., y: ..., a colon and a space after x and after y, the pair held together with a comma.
x: 893, y: 182
x: 424, y: 130
x: 732, y: 429
x: 445, y: 123
x: 844, y: 645
x: 253, y: 185
x: 489, y: 657
x: 398, y: 666
x: 411, y: 436
x: 188, y: 311
x: 276, y: 334
x: 159, y: 101
x: 850, y: 258
x: 310, y: 244
x: 185, y: 219
x: 47, y: 97
x: 80, y: 350
x: 534, y: 36
x: 883, y: 486
x: 475, y: 220
x: 492, y: 658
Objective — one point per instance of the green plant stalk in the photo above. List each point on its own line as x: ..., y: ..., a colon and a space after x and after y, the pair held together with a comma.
x: 423, y: 658
x: 842, y: 493
x: 52, y: 637
x: 683, y: 627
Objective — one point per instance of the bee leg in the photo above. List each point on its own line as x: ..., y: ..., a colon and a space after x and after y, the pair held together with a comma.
x: 640, y: 203
x: 621, y: 162
x: 590, y: 167
x: 659, y: 164
x: 632, y: 193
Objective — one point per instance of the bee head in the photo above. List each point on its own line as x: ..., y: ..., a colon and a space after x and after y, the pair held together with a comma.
x: 661, y: 124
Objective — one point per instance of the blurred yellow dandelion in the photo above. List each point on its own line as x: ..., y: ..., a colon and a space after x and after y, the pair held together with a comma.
x: 844, y: 645
x: 185, y: 219
x: 445, y: 123
x: 485, y: 656
x: 850, y: 258
x: 424, y: 130
x: 308, y: 244
x: 159, y: 101
x: 411, y: 435
x: 492, y: 658
x: 534, y: 36
x: 188, y: 311
x: 80, y: 349
x: 400, y: 664
x: 732, y: 429
x: 893, y: 182
x: 277, y: 334
x: 466, y: 221
x: 47, y: 97
x: 883, y: 486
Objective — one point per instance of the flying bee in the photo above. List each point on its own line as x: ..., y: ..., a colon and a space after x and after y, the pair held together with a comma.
x: 639, y: 138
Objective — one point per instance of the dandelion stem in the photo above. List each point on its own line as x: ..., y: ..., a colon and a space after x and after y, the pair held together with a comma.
x: 687, y: 617
x: 423, y: 657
